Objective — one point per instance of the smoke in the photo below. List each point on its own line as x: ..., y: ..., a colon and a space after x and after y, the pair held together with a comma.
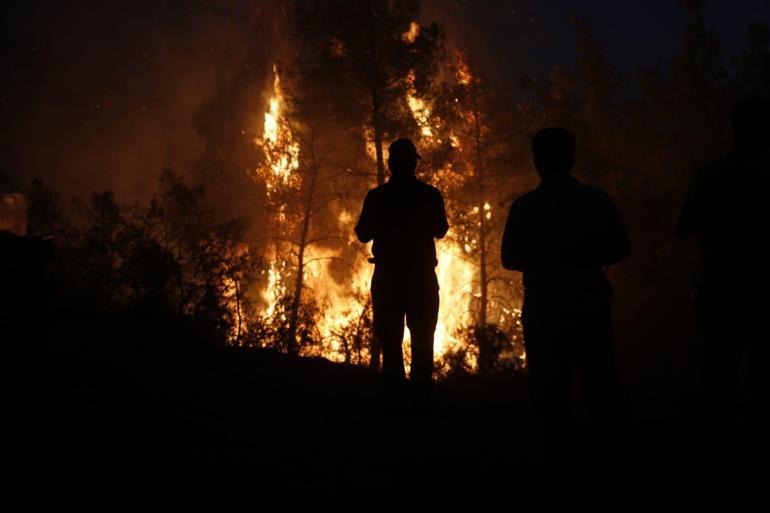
x: 104, y: 95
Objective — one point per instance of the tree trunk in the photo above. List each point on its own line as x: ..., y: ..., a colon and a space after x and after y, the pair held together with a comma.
x: 302, y: 245
x: 239, y: 317
x: 481, y: 191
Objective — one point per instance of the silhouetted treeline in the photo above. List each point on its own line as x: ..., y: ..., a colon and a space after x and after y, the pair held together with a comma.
x: 171, y: 257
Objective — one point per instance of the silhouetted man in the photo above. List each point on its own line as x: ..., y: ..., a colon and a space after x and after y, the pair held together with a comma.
x: 561, y: 235
x: 727, y: 210
x: 403, y: 216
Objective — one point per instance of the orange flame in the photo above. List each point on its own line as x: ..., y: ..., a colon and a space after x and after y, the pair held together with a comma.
x: 421, y: 111
x: 462, y: 72
x: 344, y: 303
x: 411, y: 35
x: 281, y: 151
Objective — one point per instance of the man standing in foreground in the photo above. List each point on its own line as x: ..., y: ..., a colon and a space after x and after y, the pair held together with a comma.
x: 727, y: 210
x: 561, y: 235
x: 402, y: 217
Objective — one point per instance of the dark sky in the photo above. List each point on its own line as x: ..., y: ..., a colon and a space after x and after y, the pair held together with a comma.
x: 101, y: 94
x: 534, y: 35
x: 105, y: 94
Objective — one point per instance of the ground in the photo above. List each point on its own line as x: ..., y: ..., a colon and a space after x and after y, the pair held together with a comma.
x: 142, y: 401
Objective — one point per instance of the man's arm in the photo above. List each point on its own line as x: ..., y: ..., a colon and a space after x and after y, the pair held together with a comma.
x: 440, y: 224
x: 366, y: 226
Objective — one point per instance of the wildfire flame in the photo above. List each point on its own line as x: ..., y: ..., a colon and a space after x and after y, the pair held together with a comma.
x: 419, y: 107
x: 463, y: 73
x: 411, y: 35
x: 281, y: 151
x: 276, y: 287
x: 455, y: 276
x: 344, y: 304
x: 341, y: 302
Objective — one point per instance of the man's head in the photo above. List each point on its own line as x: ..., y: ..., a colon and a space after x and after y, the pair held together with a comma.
x: 554, y: 152
x: 751, y: 125
x: 402, y: 158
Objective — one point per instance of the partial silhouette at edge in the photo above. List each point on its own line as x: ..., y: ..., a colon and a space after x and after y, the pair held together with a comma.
x: 726, y: 210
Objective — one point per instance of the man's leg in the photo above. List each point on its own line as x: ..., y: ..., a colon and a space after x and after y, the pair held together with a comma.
x: 755, y: 338
x: 422, y: 317
x: 759, y: 378
x: 550, y: 372
x: 594, y: 359
x: 389, y: 328
x: 720, y: 321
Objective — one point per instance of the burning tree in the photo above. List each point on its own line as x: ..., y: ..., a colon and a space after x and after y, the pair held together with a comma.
x: 478, y: 179
x: 368, y: 62
x: 356, y: 81
x: 309, y: 294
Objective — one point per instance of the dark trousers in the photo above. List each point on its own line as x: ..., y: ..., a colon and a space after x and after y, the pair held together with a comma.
x: 734, y: 329
x: 411, y: 295
x: 561, y: 338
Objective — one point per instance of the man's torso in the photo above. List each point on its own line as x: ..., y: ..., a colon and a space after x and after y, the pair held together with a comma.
x: 730, y: 220
x: 404, y: 213
x: 563, y: 227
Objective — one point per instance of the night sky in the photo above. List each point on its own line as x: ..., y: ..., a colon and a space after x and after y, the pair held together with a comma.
x: 105, y: 94
x: 536, y: 35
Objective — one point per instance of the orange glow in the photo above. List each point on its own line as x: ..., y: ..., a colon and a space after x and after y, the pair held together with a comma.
x: 421, y: 111
x: 462, y: 72
x: 455, y: 277
x: 411, y: 35
x: 233, y: 296
x: 343, y: 304
x: 281, y: 151
x: 337, y: 48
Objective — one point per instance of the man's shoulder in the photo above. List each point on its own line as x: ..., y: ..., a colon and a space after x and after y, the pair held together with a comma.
x: 709, y: 178
x: 731, y: 165
x: 595, y: 193
x: 525, y: 205
x: 717, y: 168
x: 427, y: 188
x: 387, y: 189
x: 526, y: 199
x: 378, y: 191
x: 573, y: 188
x: 584, y: 192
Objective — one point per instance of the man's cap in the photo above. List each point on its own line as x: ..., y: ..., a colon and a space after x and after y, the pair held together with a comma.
x: 403, y: 147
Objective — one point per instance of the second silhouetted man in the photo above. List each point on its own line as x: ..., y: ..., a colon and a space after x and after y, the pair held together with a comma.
x: 561, y: 235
